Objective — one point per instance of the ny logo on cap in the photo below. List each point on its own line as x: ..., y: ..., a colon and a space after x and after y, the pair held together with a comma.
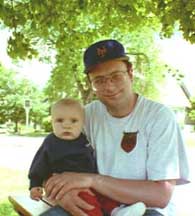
x: 101, y: 51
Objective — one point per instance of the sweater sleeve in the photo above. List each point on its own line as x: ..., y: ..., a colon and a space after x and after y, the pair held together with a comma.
x: 39, y: 169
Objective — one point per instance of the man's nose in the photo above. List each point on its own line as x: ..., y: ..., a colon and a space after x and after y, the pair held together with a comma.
x: 108, y: 79
x: 108, y: 83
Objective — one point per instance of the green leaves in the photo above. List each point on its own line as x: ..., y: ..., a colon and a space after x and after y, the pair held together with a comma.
x: 190, y: 112
x: 20, y: 47
x: 176, y: 13
x: 44, y: 28
x: 14, y: 91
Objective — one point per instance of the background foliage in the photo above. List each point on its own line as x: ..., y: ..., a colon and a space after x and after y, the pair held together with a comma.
x: 46, y: 28
x: 13, y: 93
x: 58, y: 32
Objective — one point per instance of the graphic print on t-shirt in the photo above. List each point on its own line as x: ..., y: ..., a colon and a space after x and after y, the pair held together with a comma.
x: 129, y: 141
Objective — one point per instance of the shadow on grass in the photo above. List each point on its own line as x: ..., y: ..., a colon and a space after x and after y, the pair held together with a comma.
x: 30, y: 134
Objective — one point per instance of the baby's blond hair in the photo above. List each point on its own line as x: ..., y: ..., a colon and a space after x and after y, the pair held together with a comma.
x: 68, y: 102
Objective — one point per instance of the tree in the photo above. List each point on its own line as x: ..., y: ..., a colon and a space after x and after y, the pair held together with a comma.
x: 39, y: 109
x: 13, y: 93
x: 10, y: 97
x: 190, y: 111
x: 43, y: 28
x: 59, y: 23
x: 7, y: 83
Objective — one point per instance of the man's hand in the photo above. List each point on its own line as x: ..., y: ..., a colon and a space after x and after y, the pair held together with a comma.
x: 74, y: 204
x: 59, y: 184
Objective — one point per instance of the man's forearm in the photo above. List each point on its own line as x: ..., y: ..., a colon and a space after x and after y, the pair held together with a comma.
x: 152, y: 193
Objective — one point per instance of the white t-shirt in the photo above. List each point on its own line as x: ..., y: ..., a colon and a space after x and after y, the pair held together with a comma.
x: 159, y: 153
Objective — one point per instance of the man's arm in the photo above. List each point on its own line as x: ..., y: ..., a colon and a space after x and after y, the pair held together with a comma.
x: 152, y: 193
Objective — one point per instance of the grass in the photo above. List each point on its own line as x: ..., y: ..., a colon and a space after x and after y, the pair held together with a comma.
x: 12, y: 182
x: 6, y: 209
x: 30, y: 134
x: 38, y: 134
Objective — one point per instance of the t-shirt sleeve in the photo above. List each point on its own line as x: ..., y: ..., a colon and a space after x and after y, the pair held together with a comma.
x: 167, y: 157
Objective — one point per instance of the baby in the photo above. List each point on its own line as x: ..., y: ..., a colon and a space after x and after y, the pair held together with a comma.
x: 67, y: 149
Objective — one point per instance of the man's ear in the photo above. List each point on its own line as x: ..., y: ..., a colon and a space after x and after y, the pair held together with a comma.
x: 130, y: 73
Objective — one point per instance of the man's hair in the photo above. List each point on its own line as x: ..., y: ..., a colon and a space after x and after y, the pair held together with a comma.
x: 68, y: 102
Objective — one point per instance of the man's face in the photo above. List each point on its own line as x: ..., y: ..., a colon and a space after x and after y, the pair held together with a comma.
x: 67, y: 122
x: 111, y: 82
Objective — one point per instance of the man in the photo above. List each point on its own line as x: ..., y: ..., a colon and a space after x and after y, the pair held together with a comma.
x: 139, y: 148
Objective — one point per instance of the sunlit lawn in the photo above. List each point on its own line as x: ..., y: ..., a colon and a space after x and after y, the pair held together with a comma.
x: 11, y: 181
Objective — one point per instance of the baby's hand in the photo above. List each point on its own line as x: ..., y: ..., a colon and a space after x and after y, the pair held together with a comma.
x: 36, y: 193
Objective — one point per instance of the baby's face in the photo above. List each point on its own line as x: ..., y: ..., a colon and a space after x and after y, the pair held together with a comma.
x: 67, y: 122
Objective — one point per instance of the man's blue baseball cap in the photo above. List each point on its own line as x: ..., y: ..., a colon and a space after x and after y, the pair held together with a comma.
x: 103, y: 51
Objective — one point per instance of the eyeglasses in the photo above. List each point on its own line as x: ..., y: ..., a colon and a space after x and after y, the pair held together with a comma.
x: 116, y: 77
